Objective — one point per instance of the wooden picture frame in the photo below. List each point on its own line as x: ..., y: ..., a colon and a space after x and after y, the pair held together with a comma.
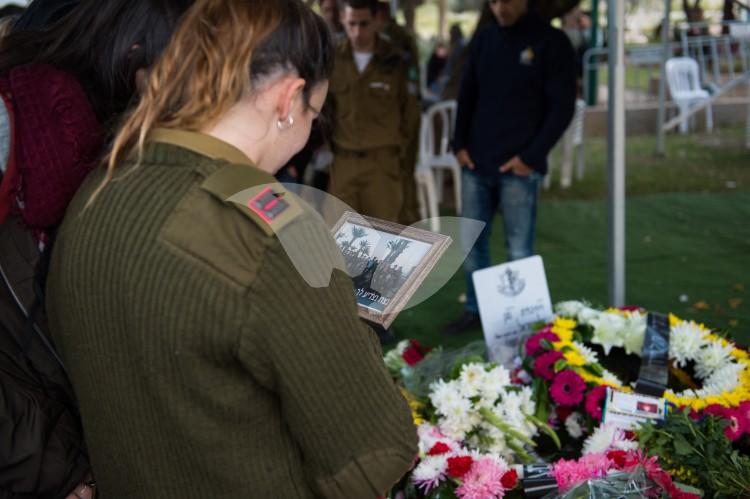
x: 383, y: 292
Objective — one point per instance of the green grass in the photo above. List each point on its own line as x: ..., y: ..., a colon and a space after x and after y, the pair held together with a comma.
x: 687, y: 238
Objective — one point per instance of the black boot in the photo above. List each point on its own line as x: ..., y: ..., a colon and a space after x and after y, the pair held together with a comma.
x: 466, y: 322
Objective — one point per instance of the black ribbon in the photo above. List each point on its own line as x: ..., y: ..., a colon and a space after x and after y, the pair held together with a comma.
x: 654, y: 374
x: 538, y: 481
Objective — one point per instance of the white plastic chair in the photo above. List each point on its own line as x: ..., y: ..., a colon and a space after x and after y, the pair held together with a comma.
x: 683, y: 78
x: 435, y: 153
x: 572, y: 144
x: 427, y: 197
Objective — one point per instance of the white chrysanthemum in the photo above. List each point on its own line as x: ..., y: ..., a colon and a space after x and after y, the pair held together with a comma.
x: 511, y: 404
x: 570, y: 308
x: 457, y: 409
x: 588, y: 315
x: 587, y: 353
x: 634, y: 332
x: 430, y: 470
x: 711, y: 357
x: 495, y: 382
x: 443, y: 395
x: 574, y: 425
x: 685, y: 342
x: 608, y: 331
x: 600, y: 441
x: 528, y: 405
x: 457, y: 428
x: 471, y: 379
x: 722, y: 380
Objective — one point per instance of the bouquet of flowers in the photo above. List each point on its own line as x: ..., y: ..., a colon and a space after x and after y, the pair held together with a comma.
x: 568, y: 363
x: 473, y: 422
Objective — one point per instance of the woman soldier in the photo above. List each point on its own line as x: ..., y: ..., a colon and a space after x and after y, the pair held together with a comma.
x: 204, y: 364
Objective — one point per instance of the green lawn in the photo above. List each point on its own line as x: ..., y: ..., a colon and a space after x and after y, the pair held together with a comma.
x: 687, y: 237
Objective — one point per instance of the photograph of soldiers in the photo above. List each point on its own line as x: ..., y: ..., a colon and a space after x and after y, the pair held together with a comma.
x: 379, y: 263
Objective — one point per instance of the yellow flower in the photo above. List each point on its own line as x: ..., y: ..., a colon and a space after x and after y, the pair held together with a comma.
x: 415, y: 405
x: 560, y: 345
x: 739, y: 354
x: 574, y: 358
x: 565, y: 323
x: 565, y: 335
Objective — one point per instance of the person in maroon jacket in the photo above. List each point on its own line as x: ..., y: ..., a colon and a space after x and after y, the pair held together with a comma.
x: 63, y: 90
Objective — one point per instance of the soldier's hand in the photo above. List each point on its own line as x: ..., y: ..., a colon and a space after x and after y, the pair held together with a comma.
x: 517, y: 166
x: 464, y: 159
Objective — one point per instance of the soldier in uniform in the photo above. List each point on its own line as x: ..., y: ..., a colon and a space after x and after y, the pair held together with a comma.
x: 204, y: 363
x: 400, y: 37
x: 374, y: 89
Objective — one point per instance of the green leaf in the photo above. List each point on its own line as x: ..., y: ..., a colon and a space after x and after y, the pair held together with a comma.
x: 560, y: 365
x: 681, y: 446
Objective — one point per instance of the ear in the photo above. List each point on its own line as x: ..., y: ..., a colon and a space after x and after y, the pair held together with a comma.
x: 291, y: 88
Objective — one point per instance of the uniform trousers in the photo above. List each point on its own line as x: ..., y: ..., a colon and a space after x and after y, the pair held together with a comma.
x: 370, y: 182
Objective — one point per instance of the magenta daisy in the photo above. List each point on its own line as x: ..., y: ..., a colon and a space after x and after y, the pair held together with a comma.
x: 544, y: 365
x: 737, y: 424
x: 567, y: 388
x: 533, y: 346
x: 594, y: 401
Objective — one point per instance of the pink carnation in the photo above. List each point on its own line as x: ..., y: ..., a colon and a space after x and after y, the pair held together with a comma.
x: 594, y: 401
x: 533, y: 344
x: 483, y: 481
x: 567, y: 388
x: 544, y: 365
x: 570, y: 473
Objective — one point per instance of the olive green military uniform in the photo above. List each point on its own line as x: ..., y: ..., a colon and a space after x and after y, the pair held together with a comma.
x: 400, y: 37
x: 376, y: 113
x: 204, y: 364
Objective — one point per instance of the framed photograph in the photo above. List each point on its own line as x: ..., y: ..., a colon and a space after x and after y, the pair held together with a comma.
x: 387, y: 262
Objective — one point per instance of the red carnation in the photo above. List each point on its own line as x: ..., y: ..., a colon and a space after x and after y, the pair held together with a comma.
x: 414, y: 353
x: 563, y: 412
x: 629, y: 308
x: 619, y: 457
x: 459, y: 466
x: 509, y: 479
x: 438, y: 448
x: 544, y: 365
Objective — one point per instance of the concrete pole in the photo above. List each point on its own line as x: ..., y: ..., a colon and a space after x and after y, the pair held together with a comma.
x: 616, y: 151
x: 666, y: 54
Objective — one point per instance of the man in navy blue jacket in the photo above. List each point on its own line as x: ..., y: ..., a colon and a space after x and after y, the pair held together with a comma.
x: 516, y: 99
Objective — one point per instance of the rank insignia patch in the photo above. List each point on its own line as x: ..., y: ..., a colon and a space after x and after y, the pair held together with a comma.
x: 267, y: 204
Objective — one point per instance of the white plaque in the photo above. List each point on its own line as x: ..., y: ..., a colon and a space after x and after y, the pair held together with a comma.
x: 511, y: 297
x: 627, y: 410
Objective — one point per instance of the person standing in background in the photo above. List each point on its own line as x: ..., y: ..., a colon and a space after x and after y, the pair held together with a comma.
x: 516, y: 99
x: 374, y: 94
x: 406, y: 41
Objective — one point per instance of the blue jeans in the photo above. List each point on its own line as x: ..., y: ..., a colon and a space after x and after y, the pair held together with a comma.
x: 517, y: 198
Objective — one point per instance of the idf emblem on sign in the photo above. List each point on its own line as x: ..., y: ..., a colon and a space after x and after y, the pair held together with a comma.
x: 511, y: 283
